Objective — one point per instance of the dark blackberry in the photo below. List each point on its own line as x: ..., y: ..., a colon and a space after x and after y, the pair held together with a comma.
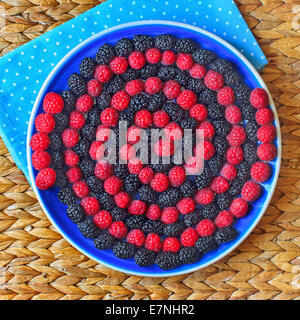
x: 168, y: 198
x: 120, y: 170
x: 57, y: 160
x: 221, y: 65
x: 215, y: 110
x: 66, y: 195
x: 119, y: 214
x: 225, y: 234
x: 207, y: 96
x: 222, y: 127
x: 87, y: 68
x: 206, y: 244
x: 82, y: 147
x: 75, y: 212
x: 144, y: 257
x: 149, y: 70
x: 244, y: 170
x: 164, y: 41
x: 215, y: 164
x: 105, y: 53
x: 174, y: 111
x: 131, y: 184
x: 104, y: 241
x: 77, y: 84
x: 236, y: 186
x: 61, y: 180
x: 242, y: 92
x: 106, y: 200
x: 248, y: 111
x: 188, y: 189
x: 142, y: 42
x: 182, y: 77
x: 195, y: 85
x: 114, y: 85
x: 61, y: 122
x: 210, y: 211
x: 88, y: 132
x: 203, y: 56
x: 88, y: 229
x: 124, y: 47
x: 250, y: 154
x: 147, y: 194
x: 223, y: 200
x: 102, y: 101
x: 135, y: 222
x: 156, y: 102
x: 174, y: 229
x: 95, y: 184
x: 166, y: 73
x: 231, y: 78
x: 161, y: 167
x: 221, y: 145
x: 188, y: 255
x: 69, y: 100
x: 189, y: 123
x: 251, y: 130
x: 139, y: 102
x: 203, y: 179
x: 191, y: 219
x: 185, y: 45
x: 93, y: 117
x: 123, y: 250
x: 87, y: 167
x: 55, y: 141
x: 130, y: 74
x: 153, y: 226
x: 167, y: 260
x: 127, y: 116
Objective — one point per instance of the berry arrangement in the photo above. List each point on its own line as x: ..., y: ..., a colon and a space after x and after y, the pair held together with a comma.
x: 158, y: 213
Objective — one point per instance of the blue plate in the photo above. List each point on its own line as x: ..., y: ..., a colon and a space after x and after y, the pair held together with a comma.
x: 57, y: 81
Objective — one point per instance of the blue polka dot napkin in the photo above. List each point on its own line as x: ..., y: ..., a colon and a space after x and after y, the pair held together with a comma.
x: 25, y: 69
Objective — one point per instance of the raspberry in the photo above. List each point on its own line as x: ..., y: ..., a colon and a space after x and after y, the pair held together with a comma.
x: 133, y: 135
x: 153, y: 85
x: 118, y: 65
x: 193, y: 165
x: 205, y: 150
x: 143, y: 119
x: 198, y: 112
x: 186, y: 205
x: 160, y: 119
x: 189, y: 237
x: 237, y: 136
x: 81, y: 189
x: 136, y: 237
x: 160, y: 182
x: 225, y: 96
x: 96, y: 151
x: 259, y: 98
x: 164, y: 148
x: 127, y: 152
x: 233, y: 114
x: 53, y: 103
x: 153, y: 242
x: 171, y: 244
x: 205, y: 228
x: 109, y: 117
x: 224, y: 219
x: 39, y: 141
x: 171, y: 89
x: 45, y: 178
x: 153, y: 55
x: 204, y: 196
x: 146, y: 175
x: 213, y: 80
x: 136, y: 60
x: 44, y: 123
x: 153, y: 212
x: 40, y: 159
x: 84, y: 103
x: 74, y: 174
x: 122, y: 199
x: 228, y: 171
x: 187, y: 99
x: 184, y: 61
x: 177, y: 176
x: 239, y: 207
x: 173, y: 131
x: 266, y: 133
x: 90, y: 205
x: 234, y: 155
x: 219, y: 185
x: 103, y: 170
x: 266, y: 152
x: 112, y: 185
x: 103, y: 73
x: 94, y: 88
x: 76, y: 120
x: 169, y: 215
x: 197, y: 71
x: 70, y: 137
x: 137, y: 207
x: 134, y: 87
x: 264, y: 116
x: 118, y: 229
x: 208, y: 130
x: 250, y: 191
x: 260, y: 171
x: 135, y: 165
x: 120, y: 100
x: 168, y: 58
x: 102, y: 219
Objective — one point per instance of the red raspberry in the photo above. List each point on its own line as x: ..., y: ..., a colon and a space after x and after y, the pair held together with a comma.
x: 81, y: 189
x: 133, y: 135
x: 44, y: 123
x: 76, y: 120
x: 266, y: 152
x: 213, y: 80
x: 187, y: 99
x: 135, y: 166
x: 198, y: 112
x: 189, y: 237
x: 118, y: 65
x: 134, y: 87
x: 113, y: 185
x: 177, y: 176
x: 228, y: 171
x: 103, y: 169
x: 260, y: 171
x: 153, y: 212
x: 251, y: 191
x: 136, y: 237
x: 102, y: 133
x: 40, y: 160
x: 233, y: 114
x: 239, y: 207
x: 237, y: 136
x: 160, y: 182
x: 153, y: 85
x: 266, y: 133
x: 171, y: 89
x: 137, y: 207
x: 168, y: 58
x: 160, y: 119
x: 94, y: 88
x: 186, y: 205
x: 103, y: 73
x: 45, y: 178
x: 225, y: 96
x: 204, y: 150
x: 97, y: 150
x: 153, y: 55
x: 109, y: 117
x: 173, y: 131
x: 127, y: 152
x: 184, y: 61
x: 259, y: 98
x: 171, y: 244
x: 39, y: 141
x: 153, y: 242
x: 102, y: 219
x: 118, y: 229
x: 146, y: 175
x: 193, y: 165
x: 235, y: 155
x: 122, y: 199
x: 164, y: 148
x: 219, y: 185
x: 205, y: 228
x: 197, y: 71
x: 143, y: 119
x: 204, y: 196
x: 74, y: 174
x: 53, y: 103
x: 169, y: 215
x: 90, y: 205
x: 120, y: 100
x: 136, y: 60
x: 264, y: 116
x: 224, y: 219
x: 70, y: 137
x: 84, y: 103
x: 208, y: 130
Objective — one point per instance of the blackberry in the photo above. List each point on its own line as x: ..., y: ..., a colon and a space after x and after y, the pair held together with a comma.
x: 174, y: 111
x: 130, y: 74
x: 87, y: 167
x: 57, y: 160
x: 236, y: 186
x: 164, y: 41
x: 144, y: 257
x: 61, y: 180
x: 222, y: 127
x: 139, y: 102
x: 166, y: 73
x: 251, y: 130
x: 149, y: 70
x: 210, y: 211
x: 188, y: 255
x: 161, y: 167
x: 88, y: 229
x: 66, y: 195
x: 206, y: 244
x: 147, y: 194
x: 105, y: 53
x: 231, y: 78
x: 207, y: 96
x: 93, y: 116
x: 142, y: 42
x: 242, y: 92
x: 123, y: 250
x: 77, y: 84
x: 188, y: 123
x: 88, y: 132
x: 104, y: 241
x: 203, y: 56
x: 223, y: 200
x: 167, y: 260
x: 124, y: 47
x: 106, y: 200
x: 114, y: 85
x: 185, y: 45
x: 188, y: 189
x: 250, y: 154
x: 135, y: 222
x: 103, y: 101
x: 95, y: 184
x: 153, y: 226
x: 168, y: 198
x: 215, y: 164
x: 244, y: 170
x: 127, y: 116
x: 55, y: 141
x: 191, y: 219
x: 120, y: 170
x: 131, y: 184
x: 156, y: 102
x: 215, y: 110
x: 221, y: 65
x: 61, y: 122
x: 75, y: 212
x: 119, y: 214
x: 221, y: 145
x: 87, y: 68
x: 196, y: 85
x: 182, y: 77
x: 69, y: 100
x: 225, y: 234
x: 248, y: 111
x: 82, y: 147
x: 174, y: 229
x: 203, y: 179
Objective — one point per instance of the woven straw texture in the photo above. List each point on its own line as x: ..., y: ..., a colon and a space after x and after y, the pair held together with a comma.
x: 36, y: 263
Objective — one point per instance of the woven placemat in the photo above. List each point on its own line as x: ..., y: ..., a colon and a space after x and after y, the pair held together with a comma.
x: 36, y: 263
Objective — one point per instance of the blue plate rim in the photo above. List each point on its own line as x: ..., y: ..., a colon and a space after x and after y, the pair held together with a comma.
x: 133, y: 24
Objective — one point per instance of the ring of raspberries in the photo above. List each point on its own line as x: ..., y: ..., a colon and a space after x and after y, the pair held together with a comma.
x: 155, y: 213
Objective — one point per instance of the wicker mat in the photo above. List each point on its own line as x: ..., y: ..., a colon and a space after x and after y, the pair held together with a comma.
x: 36, y: 263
